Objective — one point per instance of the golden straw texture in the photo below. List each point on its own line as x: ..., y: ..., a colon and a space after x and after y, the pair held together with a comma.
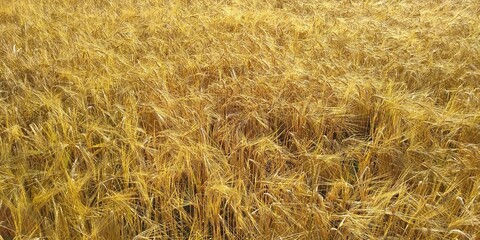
x: 239, y: 119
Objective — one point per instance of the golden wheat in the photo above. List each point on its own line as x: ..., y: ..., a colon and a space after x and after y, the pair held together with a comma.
x: 239, y: 119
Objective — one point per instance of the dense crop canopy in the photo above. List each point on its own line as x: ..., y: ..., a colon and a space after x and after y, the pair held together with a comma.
x: 241, y: 119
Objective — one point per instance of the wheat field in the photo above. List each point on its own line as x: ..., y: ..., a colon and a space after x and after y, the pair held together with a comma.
x: 239, y: 119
